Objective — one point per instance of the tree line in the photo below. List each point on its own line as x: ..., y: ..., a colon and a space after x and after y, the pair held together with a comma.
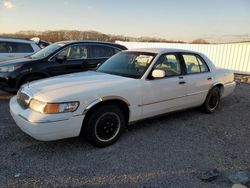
x: 62, y: 35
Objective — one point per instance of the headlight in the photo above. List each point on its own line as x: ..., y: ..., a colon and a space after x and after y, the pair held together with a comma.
x: 37, y: 105
x: 9, y: 68
x: 53, y: 108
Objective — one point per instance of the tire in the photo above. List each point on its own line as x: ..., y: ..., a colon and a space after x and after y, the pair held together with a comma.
x: 212, y: 101
x: 104, y: 126
x: 29, y: 79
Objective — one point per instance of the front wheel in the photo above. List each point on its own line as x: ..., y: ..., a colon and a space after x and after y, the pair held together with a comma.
x: 212, y: 101
x: 104, y: 126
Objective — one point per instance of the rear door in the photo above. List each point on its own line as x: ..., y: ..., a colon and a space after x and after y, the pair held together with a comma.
x: 198, y: 77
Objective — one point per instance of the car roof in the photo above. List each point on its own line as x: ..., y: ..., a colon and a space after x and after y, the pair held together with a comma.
x: 161, y: 50
x: 10, y: 39
x: 92, y: 41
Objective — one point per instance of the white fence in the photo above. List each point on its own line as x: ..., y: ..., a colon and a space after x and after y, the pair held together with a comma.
x: 230, y: 56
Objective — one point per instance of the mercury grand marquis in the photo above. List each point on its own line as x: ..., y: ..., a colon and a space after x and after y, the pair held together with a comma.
x: 130, y: 86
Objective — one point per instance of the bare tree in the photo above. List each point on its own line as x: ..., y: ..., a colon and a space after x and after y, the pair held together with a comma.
x: 61, y: 35
x: 199, y: 41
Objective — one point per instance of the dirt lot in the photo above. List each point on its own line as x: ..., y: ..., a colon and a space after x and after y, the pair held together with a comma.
x: 169, y: 151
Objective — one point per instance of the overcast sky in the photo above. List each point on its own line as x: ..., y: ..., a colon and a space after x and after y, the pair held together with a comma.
x: 214, y: 20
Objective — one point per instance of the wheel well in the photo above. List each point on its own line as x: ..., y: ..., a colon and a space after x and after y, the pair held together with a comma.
x: 116, y: 102
x: 42, y: 75
x: 221, y: 87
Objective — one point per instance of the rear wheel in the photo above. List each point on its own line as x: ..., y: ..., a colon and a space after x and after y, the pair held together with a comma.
x: 212, y: 101
x: 104, y: 126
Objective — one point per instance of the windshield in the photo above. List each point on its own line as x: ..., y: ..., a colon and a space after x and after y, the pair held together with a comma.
x: 127, y: 64
x: 47, y: 51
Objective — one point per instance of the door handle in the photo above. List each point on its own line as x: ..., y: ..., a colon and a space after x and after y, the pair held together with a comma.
x: 209, y: 78
x: 182, y: 82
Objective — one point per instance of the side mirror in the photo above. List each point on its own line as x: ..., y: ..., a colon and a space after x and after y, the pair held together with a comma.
x: 157, y: 73
x: 61, y: 59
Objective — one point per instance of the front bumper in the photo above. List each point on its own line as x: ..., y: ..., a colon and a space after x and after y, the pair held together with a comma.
x: 45, y: 127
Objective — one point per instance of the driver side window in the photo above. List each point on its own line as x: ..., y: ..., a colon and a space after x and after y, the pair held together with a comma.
x: 74, y: 52
x: 170, y: 64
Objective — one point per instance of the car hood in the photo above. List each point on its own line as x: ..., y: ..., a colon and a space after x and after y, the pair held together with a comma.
x: 16, y: 61
x: 77, y: 83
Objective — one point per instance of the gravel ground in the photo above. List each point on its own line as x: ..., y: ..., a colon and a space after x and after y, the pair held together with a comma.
x: 170, y: 151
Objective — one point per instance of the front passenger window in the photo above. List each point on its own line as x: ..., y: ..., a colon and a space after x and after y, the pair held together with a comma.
x: 75, y: 52
x: 170, y: 64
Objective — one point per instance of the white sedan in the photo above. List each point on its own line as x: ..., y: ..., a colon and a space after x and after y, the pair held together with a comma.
x: 130, y: 86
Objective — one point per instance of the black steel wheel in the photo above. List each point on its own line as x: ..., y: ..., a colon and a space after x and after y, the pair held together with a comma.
x: 104, y: 126
x: 107, y: 126
x: 212, y: 101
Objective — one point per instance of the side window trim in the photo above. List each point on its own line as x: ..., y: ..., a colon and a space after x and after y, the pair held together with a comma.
x: 56, y: 53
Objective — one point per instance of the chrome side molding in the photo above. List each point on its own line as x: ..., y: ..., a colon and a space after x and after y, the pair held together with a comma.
x: 106, y: 98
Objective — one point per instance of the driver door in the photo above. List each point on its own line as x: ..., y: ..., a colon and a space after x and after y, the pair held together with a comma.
x: 164, y: 94
x: 71, y: 59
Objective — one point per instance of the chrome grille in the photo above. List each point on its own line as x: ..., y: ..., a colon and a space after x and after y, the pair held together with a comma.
x: 23, y: 99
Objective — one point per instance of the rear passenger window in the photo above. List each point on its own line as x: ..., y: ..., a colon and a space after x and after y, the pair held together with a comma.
x: 98, y: 51
x: 11, y: 47
x: 22, y: 48
x: 194, y: 64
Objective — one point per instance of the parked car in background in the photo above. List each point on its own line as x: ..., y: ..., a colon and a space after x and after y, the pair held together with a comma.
x: 11, y: 48
x: 130, y: 86
x: 41, y: 43
x: 56, y: 59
